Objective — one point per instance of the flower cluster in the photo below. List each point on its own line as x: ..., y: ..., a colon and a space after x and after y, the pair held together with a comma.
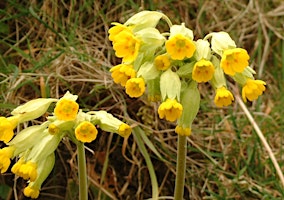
x: 34, y: 146
x: 172, y: 64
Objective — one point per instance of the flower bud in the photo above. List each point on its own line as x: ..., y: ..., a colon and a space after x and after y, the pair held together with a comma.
x: 170, y: 85
x: 190, y: 100
x: 221, y: 41
x: 109, y: 123
x: 32, y: 109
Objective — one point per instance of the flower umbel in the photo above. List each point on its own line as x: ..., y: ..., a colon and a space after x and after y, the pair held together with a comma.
x: 180, y: 47
x: 135, y: 87
x: 122, y: 73
x: 86, y: 132
x: 253, y: 89
x: 170, y: 109
x: 234, y: 60
x: 203, y: 71
x: 66, y: 109
x: 223, y: 97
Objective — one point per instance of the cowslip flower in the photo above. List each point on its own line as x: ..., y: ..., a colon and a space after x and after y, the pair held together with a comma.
x: 170, y: 109
x: 44, y: 169
x: 223, y: 97
x: 124, y: 130
x: 109, y: 123
x: 126, y: 46
x: 5, y: 158
x: 183, y: 131
x: 7, y: 126
x: 253, y: 89
x: 135, y: 87
x: 122, y: 73
x: 86, y: 132
x: 115, y: 30
x: 180, y: 47
x: 203, y: 71
x: 26, y: 170
x: 66, y: 109
x: 162, y: 62
x: 234, y: 60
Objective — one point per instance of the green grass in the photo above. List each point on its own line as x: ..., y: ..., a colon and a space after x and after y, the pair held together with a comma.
x: 66, y: 45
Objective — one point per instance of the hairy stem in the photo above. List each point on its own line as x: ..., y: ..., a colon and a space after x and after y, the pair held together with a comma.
x: 180, y: 168
x: 83, y: 184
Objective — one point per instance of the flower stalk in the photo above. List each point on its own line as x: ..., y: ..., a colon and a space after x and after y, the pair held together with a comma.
x: 82, y: 172
x: 180, y: 167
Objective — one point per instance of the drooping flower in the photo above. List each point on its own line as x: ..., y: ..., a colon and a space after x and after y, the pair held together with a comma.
x: 183, y: 131
x: 122, y: 73
x: 162, y: 62
x: 253, y: 89
x: 5, y: 158
x: 180, y: 47
x: 31, y: 192
x: 126, y: 46
x: 170, y: 109
x: 109, y: 123
x: 66, y: 109
x: 124, y: 130
x: 7, y: 126
x: 86, y: 132
x: 203, y: 71
x: 27, y: 170
x: 44, y: 169
x: 223, y: 97
x: 234, y: 60
x: 115, y: 30
x: 135, y: 87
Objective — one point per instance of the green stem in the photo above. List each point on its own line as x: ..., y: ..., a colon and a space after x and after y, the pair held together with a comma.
x: 83, y: 184
x: 180, y: 168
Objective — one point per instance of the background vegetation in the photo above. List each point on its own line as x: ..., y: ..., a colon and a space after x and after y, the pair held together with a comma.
x: 48, y: 47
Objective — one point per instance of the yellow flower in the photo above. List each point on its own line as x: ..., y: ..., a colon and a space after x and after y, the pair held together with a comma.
x: 203, y: 71
x: 86, y: 132
x: 162, y: 62
x: 170, y: 109
x: 7, y: 126
x: 124, y: 130
x: 66, y: 109
x: 115, y: 30
x: 253, y: 89
x: 26, y: 170
x: 223, y: 97
x: 122, y: 73
x: 126, y: 46
x: 135, y: 87
x: 5, y: 155
x: 180, y: 47
x: 44, y: 168
x: 234, y: 60
x: 183, y: 131
x: 31, y: 192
